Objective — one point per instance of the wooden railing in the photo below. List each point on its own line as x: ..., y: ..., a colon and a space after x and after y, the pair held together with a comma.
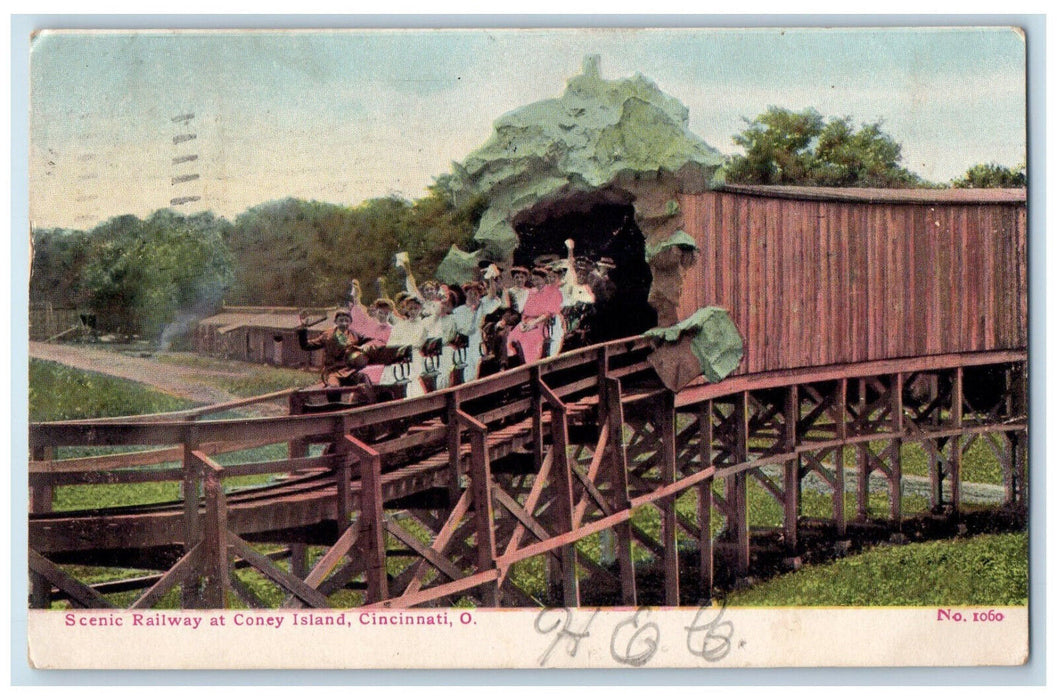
x: 635, y: 446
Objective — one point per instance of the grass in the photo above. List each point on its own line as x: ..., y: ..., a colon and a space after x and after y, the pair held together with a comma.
x: 923, y: 574
x: 243, y: 379
x: 58, y: 392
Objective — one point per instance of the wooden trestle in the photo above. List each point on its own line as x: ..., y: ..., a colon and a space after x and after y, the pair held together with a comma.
x: 580, y: 472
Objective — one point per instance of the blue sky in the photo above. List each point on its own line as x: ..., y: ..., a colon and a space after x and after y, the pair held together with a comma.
x: 342, y: 116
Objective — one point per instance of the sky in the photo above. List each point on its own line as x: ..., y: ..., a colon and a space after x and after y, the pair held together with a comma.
x: 344, y: 116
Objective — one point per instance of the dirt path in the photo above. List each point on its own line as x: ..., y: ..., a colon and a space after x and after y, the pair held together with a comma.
x: 184, y: 382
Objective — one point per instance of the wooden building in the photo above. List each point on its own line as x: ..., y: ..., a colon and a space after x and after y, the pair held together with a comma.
x: 819, y: 276
x: 257, y: 334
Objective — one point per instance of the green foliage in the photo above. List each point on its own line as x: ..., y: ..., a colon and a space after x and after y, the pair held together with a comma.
x: 138, y: 276
x: 930, y: 573
x: 783, y: 147
x: 297, y: 253
x: 984, y: 175
x: 147, y: 277
x: 58, y: 392
x: 59, y: 259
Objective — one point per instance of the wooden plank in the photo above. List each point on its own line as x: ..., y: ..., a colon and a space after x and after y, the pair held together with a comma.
x: 669, y: 526
x: 191, y: 485
x: 263, y: 564
x: 371, y: 517
x: 436, y: 592
x: 124, y: 460
x: 214, y: 535
x: 333, y: 555
x: 864, y: 468
x: 80, y: 594
x: 184, y: 567
x: 896, y: 445
x: 704, y: 503
x: 588, y: 480
x: 737, y: 493
x: 839, y: 515
x: 618, y: 473
x: 791, y: 468
x: 563, y: 487
x: 442, y: 540
x: 955, y: 463
x: 454, y: 438
x: 480, y: 485
x: 423, y: 550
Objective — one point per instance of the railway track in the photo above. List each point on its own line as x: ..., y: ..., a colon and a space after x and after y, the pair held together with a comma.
x: 520, y: 465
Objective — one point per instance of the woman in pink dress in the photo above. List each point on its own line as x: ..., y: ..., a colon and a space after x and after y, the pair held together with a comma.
x: 543, y: 304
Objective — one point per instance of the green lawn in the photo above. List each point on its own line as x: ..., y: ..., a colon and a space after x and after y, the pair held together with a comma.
x: 58, y: 392
x: 982, y: 570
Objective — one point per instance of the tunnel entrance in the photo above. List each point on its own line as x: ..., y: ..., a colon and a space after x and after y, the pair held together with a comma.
x: 600, y: 231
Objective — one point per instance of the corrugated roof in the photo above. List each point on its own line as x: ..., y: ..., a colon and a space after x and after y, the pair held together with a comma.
x: 886, y: 195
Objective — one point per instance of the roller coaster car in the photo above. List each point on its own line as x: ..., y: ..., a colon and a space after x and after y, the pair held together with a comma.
x: 355, y: 389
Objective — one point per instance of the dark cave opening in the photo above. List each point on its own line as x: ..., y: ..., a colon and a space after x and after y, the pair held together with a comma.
x: 600, y: 231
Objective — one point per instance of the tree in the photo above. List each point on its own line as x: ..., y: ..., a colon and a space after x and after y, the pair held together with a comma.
x: 783, y: 147
x: 298, y: 253
x: 992, y: 175
x: 142, y: 275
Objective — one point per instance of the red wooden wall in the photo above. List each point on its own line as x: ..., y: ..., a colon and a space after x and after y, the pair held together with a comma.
x: 854, y: 275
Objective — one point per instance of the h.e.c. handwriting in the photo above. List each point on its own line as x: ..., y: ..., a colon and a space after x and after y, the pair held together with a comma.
x: 635, y: 639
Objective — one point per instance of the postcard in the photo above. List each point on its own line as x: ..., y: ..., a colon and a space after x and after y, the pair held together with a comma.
x: 511, y: 348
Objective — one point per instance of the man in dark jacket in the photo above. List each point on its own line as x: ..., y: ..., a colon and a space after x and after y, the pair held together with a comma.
x: 343, y: 354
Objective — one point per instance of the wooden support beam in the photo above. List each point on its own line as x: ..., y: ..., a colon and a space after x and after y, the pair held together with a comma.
x: 440, y: 543
x: 343, y: 477
x: 895, y: 489
x: 618, y: 474
x: 299, y: 559
x: 669, y: 526
x: 839, y: 515
x: 542, y: 477
x: 737, y: 487
x: 187, y: 565
x: 41, y: 499
x: 536, y: 418
x: 298, y: 447
x: 423, y: 550
x: 598, y: 458
x: 955, y: 464
x: 333, y: 555
x: 480, y: 485
x: 294, y: 585
x: 704, y: 503
x: 42, y: 496
x: 563, y: 486
x: 191, y: 484
x: 454, y: 437
x: 371, y: 517
x: 80, y: 595
x: 862, y: 501
x: 214, y: 535
x: 791, y: 486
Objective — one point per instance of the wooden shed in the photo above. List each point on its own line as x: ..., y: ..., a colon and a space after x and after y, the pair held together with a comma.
x: 257, y: 334
x: 818, y: 276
